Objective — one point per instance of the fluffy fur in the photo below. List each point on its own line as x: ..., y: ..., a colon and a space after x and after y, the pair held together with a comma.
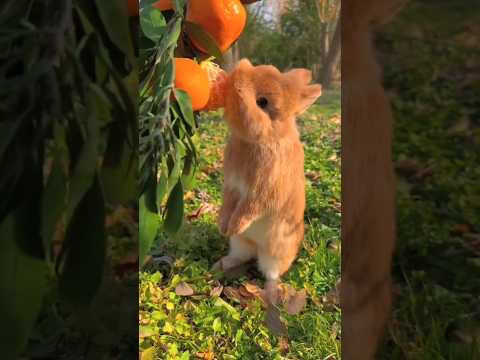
x: 264, y: 187
x: 368, y: 218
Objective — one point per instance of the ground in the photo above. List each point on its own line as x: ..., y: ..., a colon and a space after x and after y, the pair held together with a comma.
x: 211, y: 322
x: 431, y: 62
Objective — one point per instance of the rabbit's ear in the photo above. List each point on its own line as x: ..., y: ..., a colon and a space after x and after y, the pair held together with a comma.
x: 244, y: 63
x: 308, y: 95
x: 303, y: 76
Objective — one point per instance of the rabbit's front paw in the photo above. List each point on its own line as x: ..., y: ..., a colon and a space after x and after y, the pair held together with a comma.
x: 237, y: 226
x: 223, y: 225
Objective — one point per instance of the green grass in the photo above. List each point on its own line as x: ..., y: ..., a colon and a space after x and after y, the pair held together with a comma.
x: 436, y: 104
x: 176, y: 327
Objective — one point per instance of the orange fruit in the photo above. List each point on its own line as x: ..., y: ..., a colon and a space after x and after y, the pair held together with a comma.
x: 217, y: 78
x: 192, y: 79
x: 133, y: 8
x: 224, y: 20
x: 163, y: 5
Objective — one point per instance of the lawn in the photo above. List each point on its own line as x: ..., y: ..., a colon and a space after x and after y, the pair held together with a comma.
x: 211, y: 318
x: 436, y: 101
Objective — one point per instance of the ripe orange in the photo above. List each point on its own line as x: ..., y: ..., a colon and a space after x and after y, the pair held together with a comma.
x: 190, y: 77
x: 163, y: 5
x: 133, y: 8
x: 217, y: 78
x: 224, y: 20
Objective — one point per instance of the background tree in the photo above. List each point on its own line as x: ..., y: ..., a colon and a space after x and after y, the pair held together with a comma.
x: 294, y: 34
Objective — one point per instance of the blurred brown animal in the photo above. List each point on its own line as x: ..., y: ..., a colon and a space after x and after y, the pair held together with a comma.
x: 368, y: 204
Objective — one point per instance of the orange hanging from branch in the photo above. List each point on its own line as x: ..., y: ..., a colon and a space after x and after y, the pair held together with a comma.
x: 133, y: 8
x: 192, y: 79
x: 163, y: 5
x: 224, y: 20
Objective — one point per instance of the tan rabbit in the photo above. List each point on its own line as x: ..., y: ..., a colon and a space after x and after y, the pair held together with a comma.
x: 368, y: 187
x: 264, y: 187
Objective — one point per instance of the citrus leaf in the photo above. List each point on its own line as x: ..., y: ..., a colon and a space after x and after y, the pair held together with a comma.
x: 185, y: 104
x: 8, y: 129
x: 148, y: 228
x: 53, y: 202
x: 86, y: 164
x: 114, y: 15
x: 161, y: 190
x: 119, y: 180
x: 152, y: 23
x: 204, y: 38
x: 85, y: 238
x: 23, y: 284
x: 173, y: 33
x: 174, y: 209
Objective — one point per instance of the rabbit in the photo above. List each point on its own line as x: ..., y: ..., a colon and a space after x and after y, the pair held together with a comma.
x: 264, y: 183
x: 368, y: 183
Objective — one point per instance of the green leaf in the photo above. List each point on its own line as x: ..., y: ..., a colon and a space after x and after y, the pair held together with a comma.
x: 185, y: 103
x: 173, y: 32
x: 207, y: 42
x: 174, y: 210
x: 153, y: 23
x: 185, y: 356
x: 114, y: 15
x: 23, y: 284
x: 217, y: 324
x: 86, y: 165
x: 179, y: 5
x: 148, y: 229
x: 8, y: 129
x: 120, y: 180
x: 85, y: 241
x: 53, y: 202
x: 151, y: 194
x: 161, y: 189
x: 176, y: 171
x: 188, y: 170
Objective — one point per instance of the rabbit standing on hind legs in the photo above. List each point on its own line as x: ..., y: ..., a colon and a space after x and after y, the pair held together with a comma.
x: 368, y: 186
x: 264, y: 187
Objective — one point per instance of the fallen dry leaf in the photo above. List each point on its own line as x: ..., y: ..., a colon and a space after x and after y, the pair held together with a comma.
x: 203, y: 209
x: 202, y: 195
x: 216, y: 291
x: 408, y: 166
x: 336, y: 119
x: 296, y: 302
x: 331, y: 299
x: 461, y: 126
x: 285, y: 292
x: 189, y: 195
x: 312, y: 176
x: 233, y: 294
x: 251, y: 289
x: 273, y: 321
x: 461, y: 228
x: 237, y: 271
x: 473, y: 241
x: 205, y: 355
x: 283, y: 345
x: 183, y: 289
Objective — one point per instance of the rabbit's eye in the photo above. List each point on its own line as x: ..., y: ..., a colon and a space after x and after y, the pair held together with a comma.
x: 262, y: 102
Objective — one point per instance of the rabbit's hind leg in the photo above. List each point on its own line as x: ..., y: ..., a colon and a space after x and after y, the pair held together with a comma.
x: 242, y: 249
